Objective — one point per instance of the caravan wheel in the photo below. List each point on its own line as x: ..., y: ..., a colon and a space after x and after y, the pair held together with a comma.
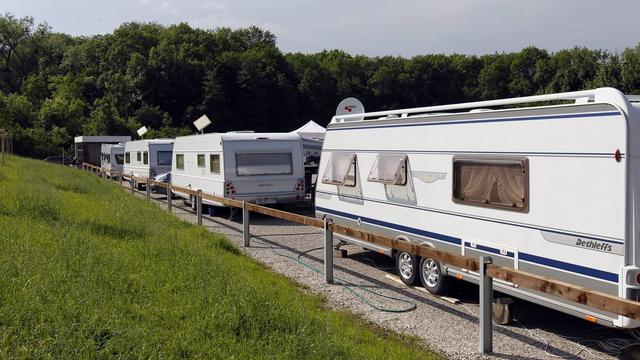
x: 407, y: 266
x: 432, y: 277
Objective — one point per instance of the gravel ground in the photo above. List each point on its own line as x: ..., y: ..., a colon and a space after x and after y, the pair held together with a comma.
x: 537, y: 333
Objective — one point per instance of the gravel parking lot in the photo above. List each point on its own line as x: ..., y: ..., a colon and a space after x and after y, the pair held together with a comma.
x: 296, y: 251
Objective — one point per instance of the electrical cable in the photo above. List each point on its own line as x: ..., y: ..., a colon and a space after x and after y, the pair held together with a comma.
x: 347, y: 285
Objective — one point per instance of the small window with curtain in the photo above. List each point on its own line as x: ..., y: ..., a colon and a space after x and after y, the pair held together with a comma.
x: 214, y: 163
x: 201, y: 160
x: 127, y: 158
x: 145, y: 158
x: 495, y: 183
x: 341, y: 170
x: 389, y: 169
x: 180, y: 161
x: 139, y: 156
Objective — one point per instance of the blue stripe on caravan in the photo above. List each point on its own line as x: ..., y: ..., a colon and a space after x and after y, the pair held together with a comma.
x: 578, y: 269
x: 569, y: 267
x: 458, y: 122
x: 429, y: 234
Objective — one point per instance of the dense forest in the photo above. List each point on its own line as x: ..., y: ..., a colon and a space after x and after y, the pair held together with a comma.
x: 55, y: 86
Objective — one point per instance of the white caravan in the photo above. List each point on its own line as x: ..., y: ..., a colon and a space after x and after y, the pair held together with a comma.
x: 264, y: 168
x: 550, y: 189
x: 112, y: 158
x: 147, y: 158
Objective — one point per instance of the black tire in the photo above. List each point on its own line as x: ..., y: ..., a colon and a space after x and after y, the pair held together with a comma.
x: 432, y: 277
x: 407, y: 266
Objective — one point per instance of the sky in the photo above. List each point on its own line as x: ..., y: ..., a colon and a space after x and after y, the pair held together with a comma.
x: 374, y: 28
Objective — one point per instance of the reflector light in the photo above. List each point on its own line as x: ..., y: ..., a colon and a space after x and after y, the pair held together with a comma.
x: 593, y: 319
x: 617, y: 155
x: 638, y: 278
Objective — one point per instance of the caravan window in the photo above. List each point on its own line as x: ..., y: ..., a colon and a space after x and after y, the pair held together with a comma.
x: 139, y: 156
x: 180, y: 161
x: 127, y: 158
x: 390, y: 169
x: 341, y: 170
x: 214, y: 163
x: 119, y: 159
x: 145, y: 158
x: 164, y: 157
x: 250, y: 164
x: 498, y: 183
x: 201, y: 160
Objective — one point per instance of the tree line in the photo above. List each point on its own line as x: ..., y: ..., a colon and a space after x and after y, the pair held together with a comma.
x: 55, y: 86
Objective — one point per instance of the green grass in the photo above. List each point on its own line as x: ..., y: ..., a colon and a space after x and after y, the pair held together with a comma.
x: 88, y: 271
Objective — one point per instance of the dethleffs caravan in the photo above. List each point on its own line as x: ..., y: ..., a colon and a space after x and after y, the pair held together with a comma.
x: 147, y: 158
x: 112, y: 158
x: 265, y: 168
x: 550, y: 189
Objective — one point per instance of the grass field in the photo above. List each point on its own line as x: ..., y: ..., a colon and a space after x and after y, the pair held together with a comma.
x: 88, y: 271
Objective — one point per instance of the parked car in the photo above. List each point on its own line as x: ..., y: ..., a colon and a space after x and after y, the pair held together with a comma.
x: 59, y: 160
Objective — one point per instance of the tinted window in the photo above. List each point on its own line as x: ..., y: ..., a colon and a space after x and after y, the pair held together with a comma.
x: 145, y: 158
x: 164, y: 157
x: 214, y: 163
x: 179, y: 161
x: 201, y: 160
x: 341, y: 170
x: 390, y: 169
x: 500, y: 183
x: 127, y: 157
x: 249, y: 164
x: 119, y: 159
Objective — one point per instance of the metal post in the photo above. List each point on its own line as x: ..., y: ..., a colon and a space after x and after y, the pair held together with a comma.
x: 169, y: 203
x: 199, y: 206
x: 328, y: 252
x: 486, y: 307
x: 132, y: 184
x: 148, y: 188
x: 246, y: 235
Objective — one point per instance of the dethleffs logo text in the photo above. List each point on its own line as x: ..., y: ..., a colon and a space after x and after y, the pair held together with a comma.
x: 592, y: 244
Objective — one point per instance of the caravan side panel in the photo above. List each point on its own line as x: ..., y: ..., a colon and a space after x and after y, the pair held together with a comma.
x: 573, y: 227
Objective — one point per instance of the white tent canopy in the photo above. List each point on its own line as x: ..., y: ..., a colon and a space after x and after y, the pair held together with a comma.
x: 311, y: 130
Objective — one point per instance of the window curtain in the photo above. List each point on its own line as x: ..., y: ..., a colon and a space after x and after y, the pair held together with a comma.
x: 499, y: 184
